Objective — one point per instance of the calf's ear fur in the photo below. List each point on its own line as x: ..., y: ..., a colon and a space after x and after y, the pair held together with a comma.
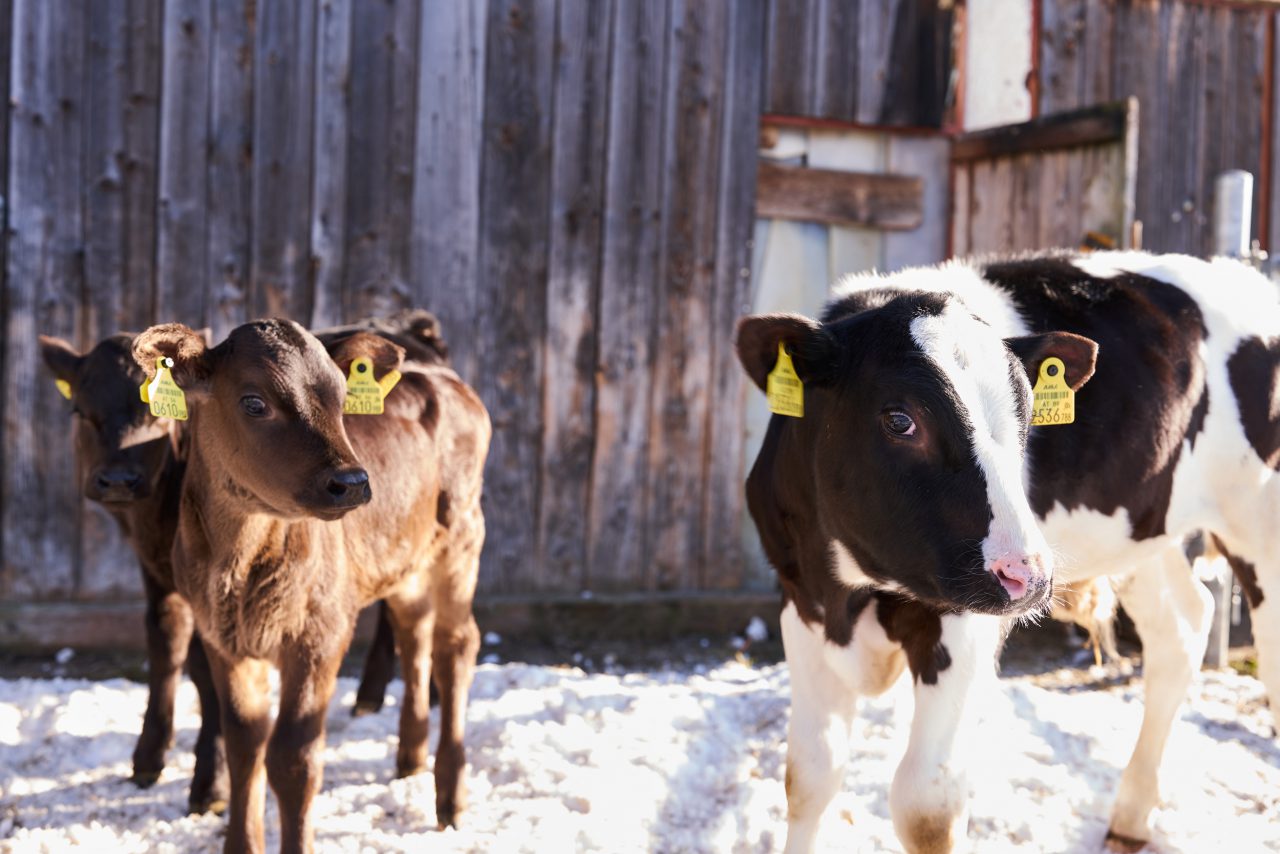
x: 811, y: 347
x: 385, y: 355
x: 192, y: 364
x: 1079, y: 355
x: 60, y: 357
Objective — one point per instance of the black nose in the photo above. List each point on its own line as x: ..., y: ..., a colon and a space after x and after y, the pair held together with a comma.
x: 118, y: 480
x: 349, y: 487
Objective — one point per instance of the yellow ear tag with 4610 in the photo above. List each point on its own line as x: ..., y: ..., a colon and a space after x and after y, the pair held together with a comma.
x: 783, y: 388
x: 364, y: 393
x: 162, y: 393
x: 1055, y: 402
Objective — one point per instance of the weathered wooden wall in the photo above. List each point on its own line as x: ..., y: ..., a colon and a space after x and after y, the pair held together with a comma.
x: 570, y: 186
x: 1204, y: 74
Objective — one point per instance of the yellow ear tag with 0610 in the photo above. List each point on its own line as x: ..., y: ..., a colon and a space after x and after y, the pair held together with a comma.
x: 364, y: 393
x: 64, y: 388
x: 1055, y: 402
x: 162, y: 393
x: 783, y: 388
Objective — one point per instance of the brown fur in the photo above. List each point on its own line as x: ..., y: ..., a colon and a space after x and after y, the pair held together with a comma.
x: 277, y: 557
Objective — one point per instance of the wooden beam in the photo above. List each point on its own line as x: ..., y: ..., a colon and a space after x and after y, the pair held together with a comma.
x: 889, y: 202
x: 1090, y: 126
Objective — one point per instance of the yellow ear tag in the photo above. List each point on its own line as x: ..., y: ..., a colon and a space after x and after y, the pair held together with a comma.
x: 1055, y: 402
x: 162, y: 393
x: 64, y: 388
x: 364, y: 393
x: 783, y: 389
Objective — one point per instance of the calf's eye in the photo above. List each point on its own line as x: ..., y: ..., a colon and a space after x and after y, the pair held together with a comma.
x: 899, y: 423
x: 253, y: 406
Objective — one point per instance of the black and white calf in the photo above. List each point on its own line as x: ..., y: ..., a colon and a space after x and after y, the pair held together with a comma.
x: 912, y: 510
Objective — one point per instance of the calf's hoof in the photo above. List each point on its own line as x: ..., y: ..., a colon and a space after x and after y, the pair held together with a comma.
x: 1121, y: 844
x: 144, y: 779
x: 211, y: 804
x: 447, y: 817
x: 409, y: 769
x: 365, y: 707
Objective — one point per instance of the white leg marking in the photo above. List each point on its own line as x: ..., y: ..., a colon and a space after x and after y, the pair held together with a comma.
x: 825, y: 683
x: 929, y: 798
x: 1170, y: 610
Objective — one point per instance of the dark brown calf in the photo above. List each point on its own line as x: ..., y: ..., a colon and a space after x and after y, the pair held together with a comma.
x: 293, y: 518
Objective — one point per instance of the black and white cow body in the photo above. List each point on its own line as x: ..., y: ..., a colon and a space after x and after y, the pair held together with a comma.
x: 912, y: 510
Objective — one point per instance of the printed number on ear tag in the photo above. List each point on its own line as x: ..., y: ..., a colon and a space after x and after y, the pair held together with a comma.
x: 1055, y: 402
x: 783, y: 389
x: 162, y: 393
x: 364, y: 393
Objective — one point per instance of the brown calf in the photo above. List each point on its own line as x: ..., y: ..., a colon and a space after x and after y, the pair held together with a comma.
x: 293, y: 517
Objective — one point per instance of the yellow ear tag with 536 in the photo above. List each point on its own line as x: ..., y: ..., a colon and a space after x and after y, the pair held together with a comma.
x: 1055, y: 402
x: 783, y: 389
x: 364, y: 393
x: 162, y: 393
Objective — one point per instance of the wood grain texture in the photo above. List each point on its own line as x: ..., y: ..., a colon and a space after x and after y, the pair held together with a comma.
x: 681, y: 376
x: 6, y: 38
x: 446, y: 197
x: 43, y: 286
x: 873, y: 200
x: 329, y: 161
x: 618, y: 542
x: 380, y: 158
x: 181, y: 260
x: 230, y: 165
x: 514, y: 198
x: 579, y: 129
x: 283, y: 68
x: 724, y: 501
x: 1087, y: 126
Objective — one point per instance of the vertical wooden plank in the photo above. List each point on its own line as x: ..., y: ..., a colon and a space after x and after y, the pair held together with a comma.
x: 1062, y: 55
x: 1274, y: 152
x: 835, y: 77
x: 578, y: 131
x: 695, y: 92
x: 790, y: 57
x: 1097, y: 79
x: 1181, y: 121
x: 876, y: 21
x: 927, y: 157
x: 1247, y: 54
x: 724, y: 507
x: 446, y: 190
x: 1102, y: 203
x: 991, y: 227
x: 181, y: 263
x: 329, y: 171
x: 619, y: 514
x: 43, y: 287
x: 512, y: 276
x: 380, y: 157
x: 917, y: 69
x: 1216, y: 95
x: 230, y: 164
x: 283, y: 62
x: 1140, y: 62
x: 961, y: 200
x: 6, y: 39
x: 142, y: 161
x: 1025, y: 225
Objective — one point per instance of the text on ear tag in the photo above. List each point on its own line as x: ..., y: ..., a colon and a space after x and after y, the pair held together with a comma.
x: 64, y: 388
x: 162, y: 393
x: 1055, y: 402
x: 364, y: 393
x: 783, y: 389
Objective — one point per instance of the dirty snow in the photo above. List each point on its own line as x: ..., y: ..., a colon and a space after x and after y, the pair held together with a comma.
x: 671, y: 761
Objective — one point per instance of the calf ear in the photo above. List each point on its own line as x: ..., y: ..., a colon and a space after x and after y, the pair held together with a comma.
x: 192, y: 363
x: 811, y: 347
x: 1079, y: 355
x: 60, y: 357
x: 385, y: 355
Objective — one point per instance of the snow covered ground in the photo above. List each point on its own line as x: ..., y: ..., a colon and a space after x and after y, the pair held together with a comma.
x: 672, y: 761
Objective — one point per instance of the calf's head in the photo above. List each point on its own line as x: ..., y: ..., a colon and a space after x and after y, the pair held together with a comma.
x: 123, y: 449
x: 267, y: 414
x: 914, y: 437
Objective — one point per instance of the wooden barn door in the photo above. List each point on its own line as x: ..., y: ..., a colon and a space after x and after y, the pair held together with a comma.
x: 1061, y: 180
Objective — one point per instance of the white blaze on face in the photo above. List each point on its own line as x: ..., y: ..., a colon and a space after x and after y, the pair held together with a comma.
x: 974, y: 359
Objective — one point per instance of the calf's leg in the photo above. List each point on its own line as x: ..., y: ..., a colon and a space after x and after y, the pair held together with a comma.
x: 413, y: 623
x: 822, y: 708
x: 295, y: 760
x: 929, y: 796
x: 246, y: 723
x: 379, y: 665
x: 169, y: 627
x: 453, y: 666
x: 210, y: 787
x: 1171, y: 610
